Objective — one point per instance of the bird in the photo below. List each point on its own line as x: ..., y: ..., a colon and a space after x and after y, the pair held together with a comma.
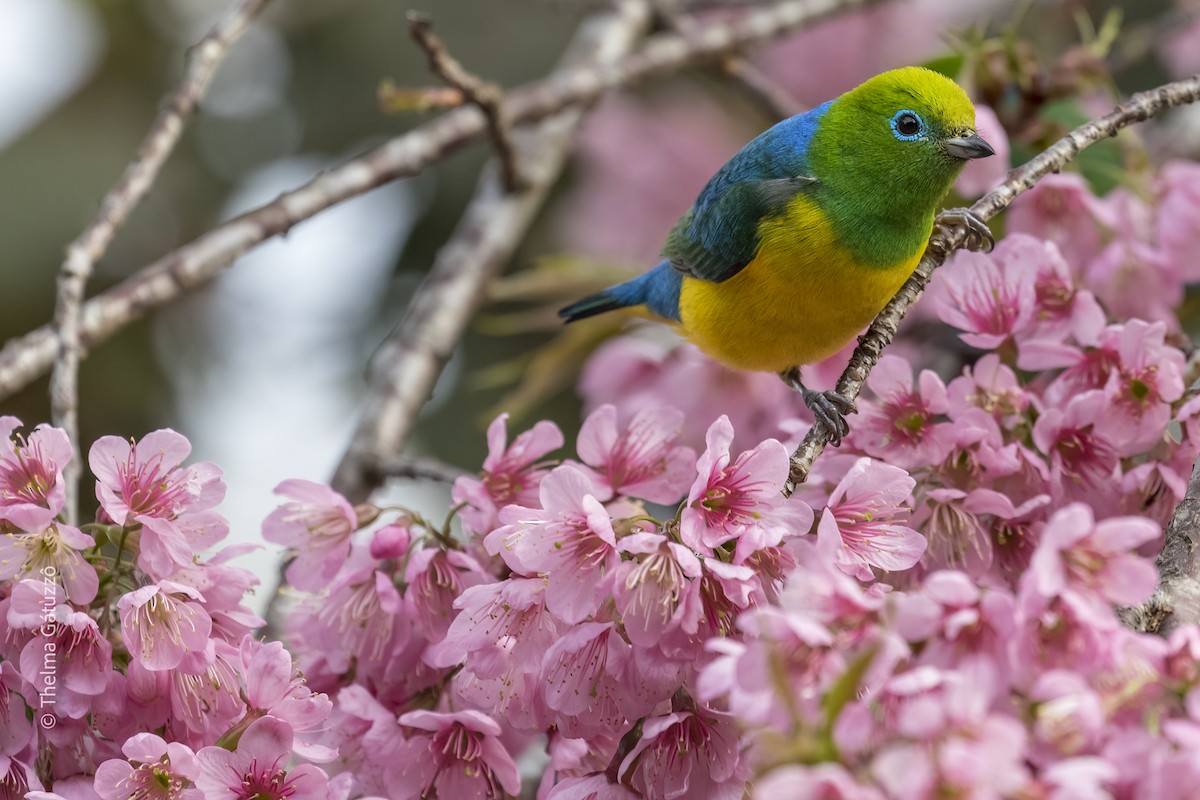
x: 803, y: 236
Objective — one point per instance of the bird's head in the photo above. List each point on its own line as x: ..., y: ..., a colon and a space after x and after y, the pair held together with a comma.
x: 904, y: 134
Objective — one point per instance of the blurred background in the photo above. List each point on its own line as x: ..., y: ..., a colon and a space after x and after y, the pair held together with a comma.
x: 263, y: 369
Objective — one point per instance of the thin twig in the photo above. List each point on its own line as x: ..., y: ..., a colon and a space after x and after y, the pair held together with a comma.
x: 1177, y: 599
x: 407, y: 365
x: 774, y: 101
x: 414, y: 468
x: 83, y: 253
x: 771, y: 98
x: 1138, y: 108
x: 485, y: 95
x: 26, y: 357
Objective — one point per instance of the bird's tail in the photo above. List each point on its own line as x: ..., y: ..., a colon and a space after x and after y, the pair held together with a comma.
x: 657, y: 289
x: 590, y: 306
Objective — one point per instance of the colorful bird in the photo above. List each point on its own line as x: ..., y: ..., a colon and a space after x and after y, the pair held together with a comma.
x: 799, y: 241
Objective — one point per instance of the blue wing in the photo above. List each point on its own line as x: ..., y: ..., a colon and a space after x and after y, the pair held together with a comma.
x: 719, y: 235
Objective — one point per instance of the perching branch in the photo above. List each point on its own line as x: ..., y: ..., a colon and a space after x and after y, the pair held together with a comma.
x: 486, y: 96
x: 407, y: 365
x: 83, y: 253
x: 1177, y: 599
x: 25, y: 358
x: 1138, y: 108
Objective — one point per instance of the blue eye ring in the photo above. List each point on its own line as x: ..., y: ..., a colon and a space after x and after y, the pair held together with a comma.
x: 901, y: 124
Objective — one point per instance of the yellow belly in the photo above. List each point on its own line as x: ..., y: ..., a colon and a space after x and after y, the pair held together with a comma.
x: 800, y: 300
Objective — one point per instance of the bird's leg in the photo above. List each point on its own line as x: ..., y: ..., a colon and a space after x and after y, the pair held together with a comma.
x: 979, y: 235
x: 829, y: 407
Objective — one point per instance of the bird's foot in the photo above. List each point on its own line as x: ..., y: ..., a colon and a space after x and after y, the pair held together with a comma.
x: 828, y: 407
x: 979, y: 235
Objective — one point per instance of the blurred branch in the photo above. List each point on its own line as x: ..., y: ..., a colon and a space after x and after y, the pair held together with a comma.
x: 408, y: 363
x: 415, y: 468
x: 486, y: 96
x: 1138, y: 108
x: 83, y: 253
x: 1177, y: 599
x: 771, y: 98
x: 26, y: 357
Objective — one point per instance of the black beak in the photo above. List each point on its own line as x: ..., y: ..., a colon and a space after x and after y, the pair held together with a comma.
x: 967, y: 147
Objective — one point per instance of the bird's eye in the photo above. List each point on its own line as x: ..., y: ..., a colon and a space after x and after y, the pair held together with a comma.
x: 906, y: 125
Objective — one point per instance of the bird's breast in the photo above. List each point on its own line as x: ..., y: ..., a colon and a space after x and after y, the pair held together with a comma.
x: 801, y: 299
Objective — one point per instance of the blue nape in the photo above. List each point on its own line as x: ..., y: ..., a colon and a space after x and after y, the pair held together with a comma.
x: 658, y: 289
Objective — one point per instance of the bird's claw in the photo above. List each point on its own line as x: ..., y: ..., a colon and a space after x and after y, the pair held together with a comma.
x: 978, y: 234
x: 829, y: 408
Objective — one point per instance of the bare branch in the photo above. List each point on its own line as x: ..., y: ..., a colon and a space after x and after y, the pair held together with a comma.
x: 771, y: 98
x: 414, y: 468
x: 83, y: 253
x: 26, y: 357
x: 1138, y: 108
x: 407, y: 365
x: 774, y: 101
x: 485, y: 95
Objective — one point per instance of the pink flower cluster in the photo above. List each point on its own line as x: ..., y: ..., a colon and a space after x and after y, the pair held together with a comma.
x: 127, y: 663
x: 932, y: 615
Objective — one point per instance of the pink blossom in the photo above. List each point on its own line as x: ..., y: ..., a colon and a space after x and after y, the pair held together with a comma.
x: 143, y: 483
x: 901, y: 427
x: 1134, y: 279
x: 53, y: 552
x: 1082, y: 778
x: 206, y: 692
x: 317, y: 524
x: 956, y: 620
x: 686, y: 754
x: 861, y: 527
x: 1149, y: 378
x: 361, y: 618
x: 275, y: 687
x: 824, y: 781
x: 1061, y: 209
x: 991, y: 386
x: 957, y: 538
x: 1179, y: 212
x: 454, y: 755
x: 590, y: 787
x: 1095, y: 557
x: 640, y: 462
x: 742, y: 497
x: 569, y: 539
x: 585, y: 681
x: 436, y: 578
x: 649, y: 585
x: 1061, y: 307
x: 502, y: 631
x: 634, y: 373
x: 392, y: 541
x: 83, y: 657
x: 1081, y: 455
x: 511, y: 474
x: 784, y: 652
x: 32, y: 492
x: 982, y: 175
x: 989, y: 297
x: 709, y: 607
x: 163, y: 622
x: 160, y: 771
x: 258, y: 768
x: 1069, y: 716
